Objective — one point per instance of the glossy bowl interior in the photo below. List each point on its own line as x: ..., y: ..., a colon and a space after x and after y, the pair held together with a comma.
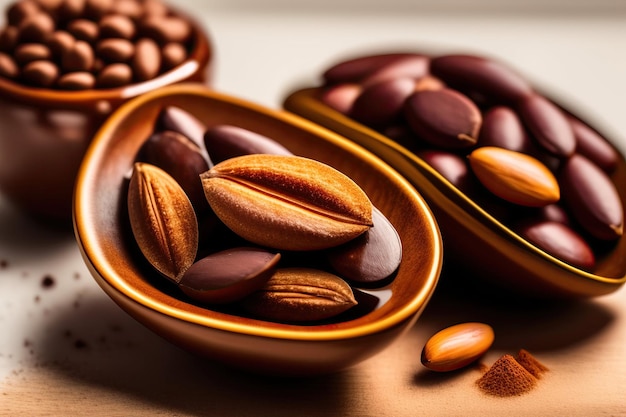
x: 108, y: 250
x: 475, y: 241
x: 45, y: 132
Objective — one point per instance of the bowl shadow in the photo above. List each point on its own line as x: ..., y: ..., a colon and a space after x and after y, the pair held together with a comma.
x: 518, y: 322
x: 105, y: 349
x: 23, y: 233
x: 539, y: 326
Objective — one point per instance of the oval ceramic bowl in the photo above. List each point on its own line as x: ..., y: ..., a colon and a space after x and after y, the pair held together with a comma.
x: 45, y: 132
x: 472, y: 237
x: 103, y: 237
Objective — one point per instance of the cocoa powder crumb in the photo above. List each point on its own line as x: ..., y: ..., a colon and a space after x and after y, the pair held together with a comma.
x: 116, y: 328
x: 47, y: 281
x: 506, y: 378
x: 29, y: 345
x: 4, y: 263
x: 530, y: 363
x: 80, y: 344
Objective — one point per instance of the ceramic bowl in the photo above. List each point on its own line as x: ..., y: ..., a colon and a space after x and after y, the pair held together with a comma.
x: 103, y: 237
x: 45, y: 132
x: 475, y: 242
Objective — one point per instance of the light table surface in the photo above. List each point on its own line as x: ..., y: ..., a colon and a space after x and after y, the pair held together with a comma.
x: 67, y: 349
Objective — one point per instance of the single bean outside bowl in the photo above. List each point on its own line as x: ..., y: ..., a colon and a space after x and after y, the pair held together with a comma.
x: 463, y: 103
x: 104, y: 236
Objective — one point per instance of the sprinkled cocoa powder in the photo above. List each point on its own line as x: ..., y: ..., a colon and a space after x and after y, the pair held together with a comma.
x: 47, y: 281
x: 3, y: 263
x: 80, y: 344
x: 506, y: 378
x: 530, y: 363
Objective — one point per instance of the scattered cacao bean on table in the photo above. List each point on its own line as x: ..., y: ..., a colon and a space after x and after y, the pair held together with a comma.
x: 457, y: 346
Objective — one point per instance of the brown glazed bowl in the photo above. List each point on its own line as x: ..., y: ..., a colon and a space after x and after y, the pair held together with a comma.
x: 46, y: 132
x: 108, y: 250
x: 475, y: 242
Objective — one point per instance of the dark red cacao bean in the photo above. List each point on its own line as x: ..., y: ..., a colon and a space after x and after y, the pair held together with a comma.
x: 372, y: 257
x: 28, y: 52
x: 487, y: 77
x: 18, y: 11
x: 503, y: 128
x: 558, y: 240
x: 555, y: 213
x: 8, y: 38
x: 78, y: 57
x: 226, y: 141
x: 147, y: 60
x: 382, y: 103
x: 35, y: 27
x: 180, y: 157
x: 411, y: 66
x: 181, y: 121
x: 354, y: 70
x: 452, y: 167
x: 592, y: 145
x: 8, y: 67
x: 79, y: 80
x: 164, y: 29
x: 229, y: 275
x: 445, y: 118
x: 40, y: 73
x: 114, y: 75
x: 548, y: 125
x: 172, y: 55
x: 341, y: 97
x: 592, y: 198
